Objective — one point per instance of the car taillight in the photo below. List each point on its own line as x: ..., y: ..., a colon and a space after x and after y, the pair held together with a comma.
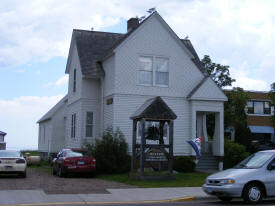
x: 93, y: 161
x: 20, y: 161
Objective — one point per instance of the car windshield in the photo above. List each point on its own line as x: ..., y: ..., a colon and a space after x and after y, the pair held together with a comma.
x: 76, y: 153
x: 5, y: 153
x: 256, y: 160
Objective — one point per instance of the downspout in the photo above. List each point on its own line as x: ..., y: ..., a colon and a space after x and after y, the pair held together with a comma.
x: 102, y: 106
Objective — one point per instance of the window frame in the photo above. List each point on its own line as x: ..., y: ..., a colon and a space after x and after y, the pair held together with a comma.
x: 89, y: 125
x: 154, y: 70
x: 250, y: 110
x: 73, y: 122
x: 74, y: 81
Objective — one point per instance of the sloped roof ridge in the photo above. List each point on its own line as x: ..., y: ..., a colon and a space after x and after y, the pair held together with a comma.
x: 53, y: 110
x: 103, y: 32
x: 197, y: 87
x: 3, y: 133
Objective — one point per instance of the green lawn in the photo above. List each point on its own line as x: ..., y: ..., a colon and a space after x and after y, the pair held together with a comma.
x: 182, y: 180
x: 44, y: 167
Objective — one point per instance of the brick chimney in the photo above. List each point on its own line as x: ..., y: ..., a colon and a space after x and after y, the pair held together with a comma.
x: 132, y: 24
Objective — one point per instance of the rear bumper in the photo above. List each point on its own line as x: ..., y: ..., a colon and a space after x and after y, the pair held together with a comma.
x: 233, y: 190
x: 79, y: 169
x: 8, y: 169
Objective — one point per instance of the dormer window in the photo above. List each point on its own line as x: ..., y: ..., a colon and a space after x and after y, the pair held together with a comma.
x: 74, y: 83
x: 153, y: 71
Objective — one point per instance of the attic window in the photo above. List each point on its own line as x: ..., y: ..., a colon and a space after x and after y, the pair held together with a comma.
x: 153, y: 71
x: 74, y: 83
x: 146, y: 70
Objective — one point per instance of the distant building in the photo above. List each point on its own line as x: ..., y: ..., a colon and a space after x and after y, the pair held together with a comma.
x: 259, y: 112
x: 2, y: 140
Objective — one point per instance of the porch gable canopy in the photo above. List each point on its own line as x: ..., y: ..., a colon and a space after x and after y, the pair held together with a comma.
x: 155, y: 109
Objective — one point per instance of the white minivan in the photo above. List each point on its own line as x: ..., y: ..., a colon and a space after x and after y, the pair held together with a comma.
x: 252, y: 179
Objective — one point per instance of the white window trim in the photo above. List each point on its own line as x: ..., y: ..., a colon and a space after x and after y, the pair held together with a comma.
x: 89, y: 124
x: 154, y: 70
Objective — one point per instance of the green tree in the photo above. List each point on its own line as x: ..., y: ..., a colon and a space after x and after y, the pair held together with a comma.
x: 111, y: 152
x: 271, y: 95
x: 234, y: 114
x: 219, y: 73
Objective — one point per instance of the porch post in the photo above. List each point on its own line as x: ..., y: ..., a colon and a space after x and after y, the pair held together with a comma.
x: 142, y: 147
x: 193, y: 129
x: 218, y: 144
x: 204, y: 133
x: 134, y: 141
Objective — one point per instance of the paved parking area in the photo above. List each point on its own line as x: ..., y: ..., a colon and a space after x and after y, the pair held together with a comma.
x: 41, y: 180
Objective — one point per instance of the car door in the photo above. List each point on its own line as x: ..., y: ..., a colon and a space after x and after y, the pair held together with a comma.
x: 270, y: 180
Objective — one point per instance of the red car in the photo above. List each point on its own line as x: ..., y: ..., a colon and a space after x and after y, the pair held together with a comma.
x: 73, y: 161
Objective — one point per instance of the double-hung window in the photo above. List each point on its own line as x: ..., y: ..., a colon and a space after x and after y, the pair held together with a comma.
x: 162, y: 74
x: 146, y: 70
x: 89, y: 124
x: 153, y: 71
x: 73, y: 125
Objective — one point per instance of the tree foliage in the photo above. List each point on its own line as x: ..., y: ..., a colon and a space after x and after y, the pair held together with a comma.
x: 111, y: 152
x: 234, y: 114
x: 233, y: 154
x: 219, y: 73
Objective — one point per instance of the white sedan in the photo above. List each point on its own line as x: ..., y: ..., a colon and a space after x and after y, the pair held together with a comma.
x: 12, y: 162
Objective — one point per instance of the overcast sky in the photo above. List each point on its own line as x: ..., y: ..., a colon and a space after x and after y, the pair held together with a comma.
x: 35, y: 38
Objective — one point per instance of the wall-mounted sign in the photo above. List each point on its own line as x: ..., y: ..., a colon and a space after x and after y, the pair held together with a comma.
x: 109, y: 101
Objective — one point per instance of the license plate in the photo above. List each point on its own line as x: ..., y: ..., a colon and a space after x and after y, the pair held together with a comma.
x: 8, y: 168
x: 80, y: 163
x: 209, y: 190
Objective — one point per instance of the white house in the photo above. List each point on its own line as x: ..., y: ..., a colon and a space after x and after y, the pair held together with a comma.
x: 111, y: 75
x: 2, y: 140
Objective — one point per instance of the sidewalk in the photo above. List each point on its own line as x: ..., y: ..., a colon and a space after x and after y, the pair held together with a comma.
x: 115, y: 196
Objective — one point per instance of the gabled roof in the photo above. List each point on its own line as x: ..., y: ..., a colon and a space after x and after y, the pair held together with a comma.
x: 2, y: 133
x: 93, y: 47
x: 155, y: 109
x: 207, y: 89
x: 54, y: 109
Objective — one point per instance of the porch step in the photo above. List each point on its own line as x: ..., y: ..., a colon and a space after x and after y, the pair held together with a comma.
x: 207, y: 163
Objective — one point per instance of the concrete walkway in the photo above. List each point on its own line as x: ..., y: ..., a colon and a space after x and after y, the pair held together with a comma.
x: 12, y: 197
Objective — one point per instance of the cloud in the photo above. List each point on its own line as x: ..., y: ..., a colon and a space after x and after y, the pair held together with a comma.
x: 229, y: 31
x: 19, y: 116
x: 20, y: 70
x: 60, y: 82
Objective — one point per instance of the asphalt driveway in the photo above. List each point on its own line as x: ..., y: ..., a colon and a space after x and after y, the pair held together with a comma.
x: 41, y: 180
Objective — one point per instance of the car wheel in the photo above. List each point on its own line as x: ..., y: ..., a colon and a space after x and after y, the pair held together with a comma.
x: 225, y: 199
x: 253, y: 193
x: 53, y: 171
x: 60, y: 172
x: 23, y: 174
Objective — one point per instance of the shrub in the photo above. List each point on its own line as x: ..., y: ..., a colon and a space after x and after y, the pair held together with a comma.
x: 184, y: 164
x: 111, y: 152
x: 233, y: 153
